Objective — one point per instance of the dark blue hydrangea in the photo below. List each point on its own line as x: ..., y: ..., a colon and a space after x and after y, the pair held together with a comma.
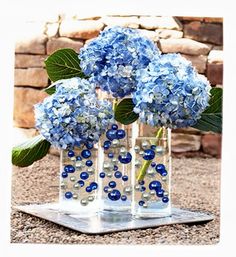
x: 170, y: 92
x: 73, y: 115
x: 113, y: 58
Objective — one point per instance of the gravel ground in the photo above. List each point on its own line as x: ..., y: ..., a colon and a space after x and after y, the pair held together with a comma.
x: 195, y: 185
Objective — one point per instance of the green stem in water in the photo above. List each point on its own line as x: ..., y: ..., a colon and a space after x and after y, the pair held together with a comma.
x: 146, y: 164
x: 114, y: 105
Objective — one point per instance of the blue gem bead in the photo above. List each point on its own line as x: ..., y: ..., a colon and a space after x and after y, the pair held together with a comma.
x: 94, y: 185
x: 105, y: 189
x: 125, y: 159
x: 68, y: 195
x: 115, y: 168
x: 78, y: 158
x: 71, y: 153
x: 160, y: 192
x: 149, y: 155
x: 114, y: 126
x: 118, y: 174
x: 114, y: 195
x: 86, y: 154
x: 111, y: 134
x: 142, y: 182
x: 106, y: 145
x: 120, y: 134
x: 64, y: 174
x: 81, y: 183
x: 89, y: 145
x: 160, y: 168
x: 125, y: 178
x: 84, y: 175
x: 110, y: 155
x: 155, y: 185
x: 165, y: 199
x: 89, y: 189
x: 89, y: 163
x: 102, y: 175
x: 123, y: 198
x: 153, y: 164
x: 164, y: 173
x: 112, y: 184
x: 142, y: 189
x: 153, y: 147
x: 69, y: 169
x: 141, y: 203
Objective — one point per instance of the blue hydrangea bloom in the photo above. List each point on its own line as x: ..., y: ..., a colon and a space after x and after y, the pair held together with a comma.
x: 73, y: 115
x: 113, y: 58
x: 170, y: 93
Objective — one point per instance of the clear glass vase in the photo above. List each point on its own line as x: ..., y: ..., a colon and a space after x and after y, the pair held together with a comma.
x: 79, y: 180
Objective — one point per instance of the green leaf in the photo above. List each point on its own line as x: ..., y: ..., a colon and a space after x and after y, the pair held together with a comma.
x: 51, y: 89
x: 124, y: 112
x: 30, y: 151
x: 63, y: 64
x: 211, y: 118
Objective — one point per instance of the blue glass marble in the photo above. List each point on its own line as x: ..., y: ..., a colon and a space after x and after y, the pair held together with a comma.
x: 114, y: 126
x: 68, y: 195
x: 81, y: 183
x: 159, y: 192
x: 153, y: 147
x: 94, y: 185
x: 125, y: 178
x: 125, y: 159
x: 89, y: 163
x: 142, y: 189
x: 110, y: 155
x: 123, y: 198
x: 165, y: 199
x: 84, y: 175
x: 155, y: 185
x: 112, y: 184
x: 105, y: 189
x: 142, y: 182
x: 89, y: 189
x: 89, y: 145
x: 102, y: 175
x: 153, y: 164
x: 111, y: 134
x: 118, y: 174
x: 64, y: 174
x: 160, y: 168
x: 115, y: 168
x: 141, y: 203
x: 86, y: 154
x: 163, y: 173
x: 149, y: 154
x: 114, y: 195
x: 71, y: 153
x: 106, y: 144
x: 69, y: 169
x: 78, y: 158
x: 120, y: 134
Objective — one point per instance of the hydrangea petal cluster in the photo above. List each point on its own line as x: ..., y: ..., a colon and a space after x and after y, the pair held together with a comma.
x: 73, y: 115
x: 170, y: 93
x: 113, y: 58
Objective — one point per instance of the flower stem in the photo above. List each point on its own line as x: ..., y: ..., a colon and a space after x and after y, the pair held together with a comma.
x: 115, y: 103
x: 146, y: 164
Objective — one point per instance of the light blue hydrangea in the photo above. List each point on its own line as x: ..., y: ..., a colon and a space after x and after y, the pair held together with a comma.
x: 113, y: 58
x: 170, y: 93
x: 73, y: 115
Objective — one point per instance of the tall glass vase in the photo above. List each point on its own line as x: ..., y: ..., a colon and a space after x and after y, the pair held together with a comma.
x: 151, y: 197
x: 79, y: 180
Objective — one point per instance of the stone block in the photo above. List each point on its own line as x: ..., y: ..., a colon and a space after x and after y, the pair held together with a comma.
x: 213, y: 19
x: 34, y: 77
x: 215, y: 73
x: 29, y: 60
x: 34, y: 45
x: 211, y: 144
x: 183, y: 45
x: 164, y: 22
x: 54, y: 44
x: 190, y: 18
x: 84, y: 29
x: 24, y: 101
x: 130, y: 22
x: 51, y: 29
x: 152, y: 35
x: 169, y: 33
x: 215, y: 56
x: 198, y: 61
x: 204, y: 32
x: 185, y: 142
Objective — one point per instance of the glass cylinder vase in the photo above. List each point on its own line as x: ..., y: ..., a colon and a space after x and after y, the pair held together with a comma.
x: 79, y: 180
x: 151, y: 197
